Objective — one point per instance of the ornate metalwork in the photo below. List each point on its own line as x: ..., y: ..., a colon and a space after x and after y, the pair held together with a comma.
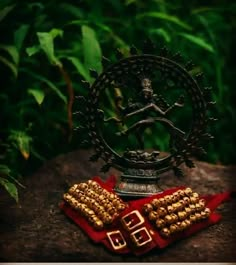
x: 137, y: 76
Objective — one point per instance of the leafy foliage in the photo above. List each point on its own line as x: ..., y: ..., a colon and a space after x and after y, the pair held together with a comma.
x: 47, y: 47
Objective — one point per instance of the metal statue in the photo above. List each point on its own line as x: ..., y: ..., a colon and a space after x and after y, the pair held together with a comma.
x: 138, y: 106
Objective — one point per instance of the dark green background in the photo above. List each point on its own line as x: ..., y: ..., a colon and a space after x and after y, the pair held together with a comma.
x: 47, y: 47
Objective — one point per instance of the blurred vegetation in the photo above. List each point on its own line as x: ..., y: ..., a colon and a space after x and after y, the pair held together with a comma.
x: 47, y: 47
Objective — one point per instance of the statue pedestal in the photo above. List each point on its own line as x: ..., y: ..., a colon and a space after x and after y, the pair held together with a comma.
x: 143, y: 184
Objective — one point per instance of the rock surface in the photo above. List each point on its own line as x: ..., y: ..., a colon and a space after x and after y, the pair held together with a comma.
x: 36, y: 230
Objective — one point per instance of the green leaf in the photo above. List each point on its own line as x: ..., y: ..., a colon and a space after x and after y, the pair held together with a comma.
x: 103, y: 27
x: 22, y: 141
x: 204, y: 9
x: 4, y: 170
x: 48, y: 82
x: 46, y: 41
x: 10, y: 65
x: 10, y: 188
x: 79, y: 66
x: 36, y: 5
x: 199, y: 41
x: 33, y: 50
x: 19, y: 35
x: 166, y: 17
x: 38, y: 94
x: 120, y: 41
x: 4, y: 12
x: 47, y: 45
x: 128, y: 2
x: 12, y: 51
x: 77, y: 22
x: 161, y: 32
x: 72, y: 10
x: 91, y: 49
x: 56, y: 32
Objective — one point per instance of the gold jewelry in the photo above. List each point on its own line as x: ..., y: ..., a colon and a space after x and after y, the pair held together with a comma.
x: 203, y: 215
x: 207, y: 211
x: 101, y: 197
x: 111, y: 196
x: 168, y: 199
x: 183, y: 225
x: 116, y: 202
x: 107, y: 219
x: 92, y: 219
x: 181, y: 193
x: 186, y: 200
x: 175, y: 196
x: 152, y: 216
x: 193, y: 199
x: 192, y: 207
x: 173, y: 228
x: 147, y: 208
x: 188, y: 211
x: 73, y: 188
x: 111, y: 210
x: 94, y: 203
x: 86, y: 200
x: 188, y: 192
x: 182, y: 202
x: 195, y: 195
x: 182, y: 215
x: 92, y: 184
x: 192, y: 218
x: 82, y: 186
x: 188, y: 223
x: 170, y: 209
x: 120, y: 207
x: 66, y: 196
x: 176, y: 207
x: 165, y: 232
x: 174, y: 217
x: 161, y: 211
x: 91, y: 203
x: 198, y: 207
x: 98, y: 225
x: 89, y: 212
x: 168, y: 219
x: 162, y: 202
x: 179, y: 227
x: 160, y: 223
x: 155, y: 203
x: 179, y: 206
x: 198, y: 216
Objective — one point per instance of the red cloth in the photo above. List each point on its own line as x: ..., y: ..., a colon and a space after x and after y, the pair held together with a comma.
x: 212, y: 201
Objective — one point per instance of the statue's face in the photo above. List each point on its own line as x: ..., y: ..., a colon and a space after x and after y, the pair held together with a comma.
x: 147, y: 91
x: 146, y: 83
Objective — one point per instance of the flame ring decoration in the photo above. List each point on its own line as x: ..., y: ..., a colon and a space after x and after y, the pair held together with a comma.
x: 191, y: 141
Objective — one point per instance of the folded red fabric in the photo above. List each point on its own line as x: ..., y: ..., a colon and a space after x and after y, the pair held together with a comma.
x: 120, y: 240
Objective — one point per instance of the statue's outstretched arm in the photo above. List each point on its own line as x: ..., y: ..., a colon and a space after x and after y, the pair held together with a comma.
x: 102, y: 117
x: 149, y: 106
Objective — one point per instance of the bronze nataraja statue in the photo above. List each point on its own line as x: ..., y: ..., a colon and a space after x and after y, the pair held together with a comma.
x: 148, y: 102
x: 142, y: 111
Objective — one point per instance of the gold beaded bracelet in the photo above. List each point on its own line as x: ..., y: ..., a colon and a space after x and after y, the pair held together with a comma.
x: 97, y: 205
x: 176, y: 212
